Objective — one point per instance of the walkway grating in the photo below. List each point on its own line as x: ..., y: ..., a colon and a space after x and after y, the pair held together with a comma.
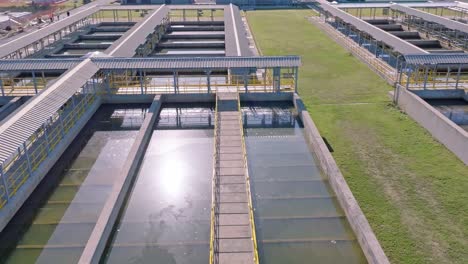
x: 233, y: 228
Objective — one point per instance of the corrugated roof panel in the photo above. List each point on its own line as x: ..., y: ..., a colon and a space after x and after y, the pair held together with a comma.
x: 197, y: 63
x: 38, y: 64
x: 34, y: 36
x: 396, y: 43
x: 437, y: 59
x: 383, y: 5
x: 448, y: 23
x: 126, y: 45
x: 25, y: 122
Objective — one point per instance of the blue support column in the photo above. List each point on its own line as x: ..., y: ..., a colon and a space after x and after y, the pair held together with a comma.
x: 276, y: 79
x: 141, y: 82
x: 34, y: 81
x: 458, y: 76
x: 296, y: 71
x: 408, y: 73
x: 94, y: 84
x: 208, y: 80
x: 46, y: 136
x: 62, y: 127
x: 400, y: 69
x: 28, y: 160
x: 176, y: 82
x: 4, y: 182
x: 245, y: 77
x: 426, y: 75
x: 107, y: 82
x: 448, y: 75
x: 2, y: 90
x: 376, y: 48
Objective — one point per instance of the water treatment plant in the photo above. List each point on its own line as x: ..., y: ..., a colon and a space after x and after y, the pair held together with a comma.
x: 156, y: 132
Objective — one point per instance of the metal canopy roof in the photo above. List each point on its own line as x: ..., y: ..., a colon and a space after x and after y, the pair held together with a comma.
x: 128, y: 7
x: 197, y: 6
x: 24, y: 123
x: 197, y: 63
x: 432, y: 59
x: 38, y: 64
x: 126, y: 45
x: 396, y: 43
x: 174, y: 63
x: 383, y: 5
x: 34, y: 36
x: 448, y: 23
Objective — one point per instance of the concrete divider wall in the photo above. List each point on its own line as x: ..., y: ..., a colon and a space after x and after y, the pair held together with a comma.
x: 441, y: 94
x: 271, y: 97
x: 166, y: 98
x: 108, y: 218
x: 441, y: 128
x: 193, y: 98
x: 30, y: 185
x: 366, y: 237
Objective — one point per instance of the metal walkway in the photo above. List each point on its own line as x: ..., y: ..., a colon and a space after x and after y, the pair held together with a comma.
x: 22, y: 125
x: 378, y: 34
x: 233, y: 228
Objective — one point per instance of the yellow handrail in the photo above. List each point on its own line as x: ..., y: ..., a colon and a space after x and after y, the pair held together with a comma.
x: 249, y: 194
x: 214, y: 184
x: 16, y: 177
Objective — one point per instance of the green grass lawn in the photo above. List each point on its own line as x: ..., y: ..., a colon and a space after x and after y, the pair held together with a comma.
x: 411, y: 188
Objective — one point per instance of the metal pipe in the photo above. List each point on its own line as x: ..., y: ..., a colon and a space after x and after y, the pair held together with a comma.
x: 1, y: 87
x: 176, y: 82
x: 296, y: 70
x: 426, y: 73
x: 458, y: 76
x: 208, y: 80
x: 409, y: 73
x: 141, y: 81
x: 34, y: 81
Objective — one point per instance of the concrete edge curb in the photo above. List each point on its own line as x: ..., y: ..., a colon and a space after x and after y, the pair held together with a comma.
x: 453, y: 137
x: 366, y: 237
x: 103, y: 229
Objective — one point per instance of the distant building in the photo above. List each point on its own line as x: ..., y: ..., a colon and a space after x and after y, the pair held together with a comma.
x: 218, y: 2
x: 13, y: 19
x: 48, y: 1
x: 149, y: 2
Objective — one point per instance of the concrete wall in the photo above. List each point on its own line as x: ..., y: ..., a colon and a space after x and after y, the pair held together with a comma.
x: 366, y: 237
x: 440, y: 127
x: 193, y: 98
x: 107, y: 219
x: 272, y: 97
x: 441, y: 94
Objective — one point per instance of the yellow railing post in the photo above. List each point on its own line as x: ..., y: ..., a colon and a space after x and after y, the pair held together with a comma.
x: 249, y: 194
x: 214, y: 185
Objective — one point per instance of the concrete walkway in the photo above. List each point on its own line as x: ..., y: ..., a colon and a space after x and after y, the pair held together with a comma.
x: 233, y: 229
